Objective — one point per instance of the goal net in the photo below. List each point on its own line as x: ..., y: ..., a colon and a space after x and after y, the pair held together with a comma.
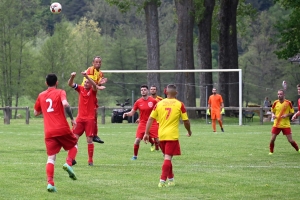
x: 122, y: 72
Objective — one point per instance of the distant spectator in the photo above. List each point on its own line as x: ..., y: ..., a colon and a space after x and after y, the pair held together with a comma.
x: 267, y: 103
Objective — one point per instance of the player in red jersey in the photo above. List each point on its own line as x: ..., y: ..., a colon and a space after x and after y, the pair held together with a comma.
x: 153, y: 93
x: 145, y: 104
x: 215, y: 109
x: 86, y: 111
x: 168, y: 112
x: 281, y: 110
x: 52, y: 103
x: 97, y: 76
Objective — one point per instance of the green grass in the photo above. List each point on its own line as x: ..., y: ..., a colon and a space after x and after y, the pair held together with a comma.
x: 230, y: 165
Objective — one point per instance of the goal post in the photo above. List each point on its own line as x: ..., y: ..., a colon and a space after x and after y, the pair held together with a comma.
x: 189, y: 71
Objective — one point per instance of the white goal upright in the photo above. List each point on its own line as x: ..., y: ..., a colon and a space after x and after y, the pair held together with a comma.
x: 191, y: 71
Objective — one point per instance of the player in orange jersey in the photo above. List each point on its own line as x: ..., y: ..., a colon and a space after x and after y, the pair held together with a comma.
x: 153, y: 93
x: 168, y: 112
x: 215, y: 109
x: 53, y: 104
x: 281, y: 110
x: 95, y: 73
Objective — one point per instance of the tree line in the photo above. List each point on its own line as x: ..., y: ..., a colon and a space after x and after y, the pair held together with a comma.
x: 147, y: 34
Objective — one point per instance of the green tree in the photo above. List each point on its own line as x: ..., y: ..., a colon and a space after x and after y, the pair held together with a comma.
x: 262, y: 72
x: 125, y: 53
x: 185, y: 53
x: 150, y: 8
x: 17, y: 28
x: 204, y: 23
x: 288, y: 37
x: 228, y: 55
x: 53, y: 57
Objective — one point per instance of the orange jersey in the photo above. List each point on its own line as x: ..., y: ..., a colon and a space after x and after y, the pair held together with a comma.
x: 280, y: 109
x: 215, y: 102
x: 49, y: 102
x: 94, y: 74
x: 158, y: 98
x: 167, y: 112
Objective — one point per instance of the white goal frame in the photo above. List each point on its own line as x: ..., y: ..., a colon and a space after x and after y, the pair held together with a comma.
x: 191, y: 70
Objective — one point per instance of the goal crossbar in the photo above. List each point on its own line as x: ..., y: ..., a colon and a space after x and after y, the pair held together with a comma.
x: 190, y: 70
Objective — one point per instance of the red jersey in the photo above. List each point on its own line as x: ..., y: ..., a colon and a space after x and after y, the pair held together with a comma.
x: 87, y: 103
x: 145, y: 107
x: 49, y: 102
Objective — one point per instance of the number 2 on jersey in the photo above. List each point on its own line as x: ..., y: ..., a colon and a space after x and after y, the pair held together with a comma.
x: 49, y: 109
x: 169, y: 112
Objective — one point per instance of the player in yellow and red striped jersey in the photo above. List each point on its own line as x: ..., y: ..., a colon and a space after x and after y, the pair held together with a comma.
x: 95, y: 73
x: 281, y: 110
x: 153, y: 93
x: 168, y: 113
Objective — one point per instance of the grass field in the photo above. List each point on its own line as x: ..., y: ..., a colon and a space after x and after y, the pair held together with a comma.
x: 230, y: 165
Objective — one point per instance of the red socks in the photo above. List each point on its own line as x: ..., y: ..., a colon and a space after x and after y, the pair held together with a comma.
x: 272, y: 147
x: 50, y: 173
x: 135, y: 149
x: 295, y: 145
x: 71, y: 155
x: 167, y: 171
x: 91, y: 152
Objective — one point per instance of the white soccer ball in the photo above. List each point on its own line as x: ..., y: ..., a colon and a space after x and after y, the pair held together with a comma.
x: 55, y: 8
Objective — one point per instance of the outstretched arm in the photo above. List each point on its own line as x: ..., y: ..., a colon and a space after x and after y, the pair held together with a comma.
x: 129, y: 113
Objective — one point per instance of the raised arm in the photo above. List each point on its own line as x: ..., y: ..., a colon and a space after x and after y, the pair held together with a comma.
x: 94, y: 85
x: 71, y: 80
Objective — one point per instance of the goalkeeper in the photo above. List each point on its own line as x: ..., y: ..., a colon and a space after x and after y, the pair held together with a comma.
x: 215, y: 109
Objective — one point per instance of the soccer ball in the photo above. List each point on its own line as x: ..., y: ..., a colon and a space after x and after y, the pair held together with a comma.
x: 55, y: 8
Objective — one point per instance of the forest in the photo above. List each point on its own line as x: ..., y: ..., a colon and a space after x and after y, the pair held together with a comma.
x: 257, y: 36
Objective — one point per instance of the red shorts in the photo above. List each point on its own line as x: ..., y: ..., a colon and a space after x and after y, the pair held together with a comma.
x: 285, y: 131
x: 54, y: 144
x: 170, y: 147
x: 215, y: 115
x: 140, y: 132
x: 87, y: 126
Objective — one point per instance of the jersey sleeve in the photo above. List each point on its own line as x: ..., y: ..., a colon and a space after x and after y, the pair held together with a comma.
x: 291, y: 109
x: 221, y: 99
x: 154, y: 112
x: 63, y: 95
x: 135, y: 105
x: 184, y: 115
x: 273, y: 106
x: 37, y: 105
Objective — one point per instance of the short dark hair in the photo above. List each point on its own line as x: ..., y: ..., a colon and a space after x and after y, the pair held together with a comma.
x: 172, y: 86
x: 298, y: 85
x: 51, y: 79
x: 96, y: 57
x: 154, y: 86
x: 281, y: 91
x: 144, y: 86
